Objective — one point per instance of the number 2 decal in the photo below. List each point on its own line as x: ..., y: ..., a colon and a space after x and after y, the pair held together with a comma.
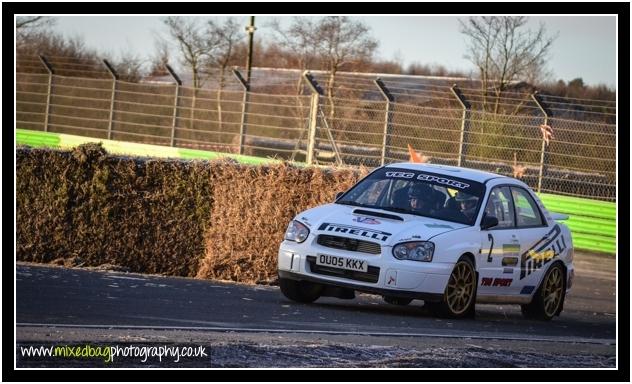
x: 491, y: 247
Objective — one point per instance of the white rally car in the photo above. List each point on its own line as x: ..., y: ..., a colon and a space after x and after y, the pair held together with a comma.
x: 449, y: 236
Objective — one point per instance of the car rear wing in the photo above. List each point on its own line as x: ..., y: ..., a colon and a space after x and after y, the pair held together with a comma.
x: 558, y: 216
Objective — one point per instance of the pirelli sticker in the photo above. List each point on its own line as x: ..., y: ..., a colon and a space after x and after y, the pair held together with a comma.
x: 351, y: 230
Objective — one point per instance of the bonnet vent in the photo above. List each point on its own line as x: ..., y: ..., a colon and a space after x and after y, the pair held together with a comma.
x: 377, y: 214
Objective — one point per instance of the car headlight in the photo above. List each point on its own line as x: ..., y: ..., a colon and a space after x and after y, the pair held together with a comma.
x: 416, y: 250
x: 296, y: 232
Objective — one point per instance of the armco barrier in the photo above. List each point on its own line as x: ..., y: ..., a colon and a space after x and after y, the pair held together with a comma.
x: 592, y: 222
x: 63, y: 141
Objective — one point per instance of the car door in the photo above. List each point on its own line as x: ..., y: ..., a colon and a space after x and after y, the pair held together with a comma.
x: 500, y: 246
x: 540, y: 241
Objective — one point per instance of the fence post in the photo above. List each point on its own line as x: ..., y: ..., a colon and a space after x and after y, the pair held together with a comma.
x: 244, y: 109
x: 175, y: 102
x: 387, y: 117
x: 313, y: 115
x: 464, y: 120
x: 49, y: 69
x: 115, y: 77
x: 543, y: 151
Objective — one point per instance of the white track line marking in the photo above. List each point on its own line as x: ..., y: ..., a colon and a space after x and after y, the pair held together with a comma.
x: 307, y: 331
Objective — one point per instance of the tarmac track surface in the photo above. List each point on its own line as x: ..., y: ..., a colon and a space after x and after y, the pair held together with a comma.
x: 255, y: 326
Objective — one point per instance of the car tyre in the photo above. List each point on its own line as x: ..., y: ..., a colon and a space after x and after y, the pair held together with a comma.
x: 548, y: 300
x: 459, y: 297
x: 397, y: 300
x: 300, y: 291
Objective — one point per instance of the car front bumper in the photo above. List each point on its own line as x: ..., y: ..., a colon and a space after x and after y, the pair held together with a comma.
x: 386, y: 275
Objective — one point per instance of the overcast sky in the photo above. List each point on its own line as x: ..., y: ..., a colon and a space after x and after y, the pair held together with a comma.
x: 586, y: 46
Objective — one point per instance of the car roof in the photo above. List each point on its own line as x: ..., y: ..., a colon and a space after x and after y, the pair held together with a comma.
x: 465, y: 173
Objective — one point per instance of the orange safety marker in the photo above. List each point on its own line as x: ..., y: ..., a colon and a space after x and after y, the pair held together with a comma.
x: 415, y: 157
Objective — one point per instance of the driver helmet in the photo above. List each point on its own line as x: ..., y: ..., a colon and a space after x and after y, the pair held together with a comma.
x: 467, y: 200
x: 418, y: 195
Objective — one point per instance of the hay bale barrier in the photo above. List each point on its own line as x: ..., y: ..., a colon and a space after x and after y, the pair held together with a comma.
x: 194, y: 218
x: 251, y: 210
x: 143, y: 214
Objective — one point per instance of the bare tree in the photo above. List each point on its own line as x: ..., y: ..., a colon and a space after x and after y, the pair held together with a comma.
x: 27, y: 24
x: 79, y: 60
x: 227, y: 35
x: 342, y: 41
x: 193, y: 43
x: 333, y: 42
x: 504, y: 52
x: 196, y: 46
x: 158, y: 62
x: 52, y: 43
x: 300, y: 39
x: 129, y: 67
x: 32, y: 35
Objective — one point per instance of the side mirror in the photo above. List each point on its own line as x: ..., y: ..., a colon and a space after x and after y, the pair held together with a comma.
x: 489, y: 222
x: 338, y: 195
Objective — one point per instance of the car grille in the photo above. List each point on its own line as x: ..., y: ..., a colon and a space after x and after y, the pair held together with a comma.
x: 371, y: 276
x: 349, y: 244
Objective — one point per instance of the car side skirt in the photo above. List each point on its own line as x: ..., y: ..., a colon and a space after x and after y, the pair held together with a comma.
x: 498, y: 299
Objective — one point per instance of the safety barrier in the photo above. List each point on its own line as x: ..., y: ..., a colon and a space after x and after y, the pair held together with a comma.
x: 592, y: 222
x: 38, y: 139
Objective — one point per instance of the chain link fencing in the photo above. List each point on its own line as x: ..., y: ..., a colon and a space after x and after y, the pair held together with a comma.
x: 355, y: 121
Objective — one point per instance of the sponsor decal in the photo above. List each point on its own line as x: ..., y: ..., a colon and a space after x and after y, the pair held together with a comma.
x: 305, y: 221
x: 438, y: 226
x: 542, y: 252
x: 507, y: 270
x: 430, y: 178
x: 414, y: 237
x: 442, y: 180
x: 527, y: 289
x: 400, y: 175
x: 495, y: 282
x: 545, y: 255
x: 348, y: 229
x: 391, y: 279
x: 509, y: 261
x: 366, y: 220
x: 511, y: 250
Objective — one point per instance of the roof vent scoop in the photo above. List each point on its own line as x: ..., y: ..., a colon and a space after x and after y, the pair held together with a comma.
x: 377, y: 214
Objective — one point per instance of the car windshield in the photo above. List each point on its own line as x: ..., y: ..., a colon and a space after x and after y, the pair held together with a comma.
x: 419, y: 193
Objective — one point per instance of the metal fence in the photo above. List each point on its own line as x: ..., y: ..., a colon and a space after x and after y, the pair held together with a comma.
x: 368, y: 121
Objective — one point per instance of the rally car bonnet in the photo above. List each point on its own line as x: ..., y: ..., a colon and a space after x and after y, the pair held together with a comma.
x: 383, y: 227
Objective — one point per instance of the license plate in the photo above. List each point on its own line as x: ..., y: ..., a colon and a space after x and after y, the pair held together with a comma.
x: 342, y: 262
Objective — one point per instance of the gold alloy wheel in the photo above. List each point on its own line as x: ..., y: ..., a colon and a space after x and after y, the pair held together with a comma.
x: 552, y: 294
x: 460, y: 290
